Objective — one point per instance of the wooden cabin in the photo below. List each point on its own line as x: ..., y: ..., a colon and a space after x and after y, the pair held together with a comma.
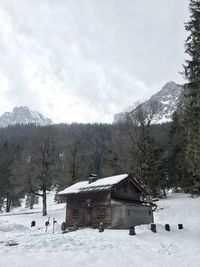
x: 118, y: 202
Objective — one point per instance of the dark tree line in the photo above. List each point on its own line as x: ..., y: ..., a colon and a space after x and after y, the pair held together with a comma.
x: 35, y: 160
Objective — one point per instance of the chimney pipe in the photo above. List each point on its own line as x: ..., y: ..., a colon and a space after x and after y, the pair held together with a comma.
x: 92, y: 178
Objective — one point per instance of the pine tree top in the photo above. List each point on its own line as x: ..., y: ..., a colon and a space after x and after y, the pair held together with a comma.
x: 192, y: 44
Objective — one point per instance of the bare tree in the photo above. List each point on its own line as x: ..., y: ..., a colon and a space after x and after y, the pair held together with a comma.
x: 142, y: 145
x: 116, y: 158
x: 73, y: 160
x: 41, y: 169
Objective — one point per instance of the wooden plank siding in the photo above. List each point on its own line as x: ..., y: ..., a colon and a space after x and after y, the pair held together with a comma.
x: 126, y: 191
x: 117, y: 206
x: 88, y: 209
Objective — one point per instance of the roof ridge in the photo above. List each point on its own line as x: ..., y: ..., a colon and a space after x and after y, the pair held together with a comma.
x: 101, y: 184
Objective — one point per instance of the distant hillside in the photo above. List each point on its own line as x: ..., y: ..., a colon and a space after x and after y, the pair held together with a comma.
x: 166, y: 101
x: 23, y: 115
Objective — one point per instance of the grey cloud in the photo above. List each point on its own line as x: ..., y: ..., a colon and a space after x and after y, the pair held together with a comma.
x: 100, y: 55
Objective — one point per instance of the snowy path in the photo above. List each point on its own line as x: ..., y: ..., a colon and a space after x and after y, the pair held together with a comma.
x: 111, y: 248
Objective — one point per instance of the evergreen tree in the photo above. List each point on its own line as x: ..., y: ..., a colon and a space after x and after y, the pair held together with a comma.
x: 175, y: 160
x: 11, y: 184
x: 192, y: 90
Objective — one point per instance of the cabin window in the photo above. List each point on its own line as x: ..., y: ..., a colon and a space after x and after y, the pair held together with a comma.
x: 75, y: 213
x: 101, y: 212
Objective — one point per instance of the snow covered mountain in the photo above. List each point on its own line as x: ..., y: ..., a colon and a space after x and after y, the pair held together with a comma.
x: 23, y: 115
x: 165, y: 102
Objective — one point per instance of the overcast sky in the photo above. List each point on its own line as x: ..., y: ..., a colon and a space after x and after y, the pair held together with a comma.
x: 85, y: 60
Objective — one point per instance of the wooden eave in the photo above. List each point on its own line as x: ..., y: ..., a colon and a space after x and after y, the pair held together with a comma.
x: 133, y: 181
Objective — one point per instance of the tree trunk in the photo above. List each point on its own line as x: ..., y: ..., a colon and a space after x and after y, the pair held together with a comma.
x: 8, y: 204
x: 44, y: 203
x: 164, y: 192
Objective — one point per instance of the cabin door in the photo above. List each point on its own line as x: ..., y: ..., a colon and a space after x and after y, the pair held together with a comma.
x: 88, y: 216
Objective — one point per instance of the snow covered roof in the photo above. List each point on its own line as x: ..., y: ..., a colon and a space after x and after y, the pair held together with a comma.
x: 101, y: 184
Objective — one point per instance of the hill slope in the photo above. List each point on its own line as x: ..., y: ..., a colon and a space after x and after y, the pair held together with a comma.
x: 88, y: 247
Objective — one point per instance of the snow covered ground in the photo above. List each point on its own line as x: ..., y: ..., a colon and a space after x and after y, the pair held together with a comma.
x: 112, y: 248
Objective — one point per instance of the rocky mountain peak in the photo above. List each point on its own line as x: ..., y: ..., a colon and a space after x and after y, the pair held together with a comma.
x: 23, y: 115
x: 166, y: 100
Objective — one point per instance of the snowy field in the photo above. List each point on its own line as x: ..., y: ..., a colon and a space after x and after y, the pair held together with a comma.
x: 112, y: 248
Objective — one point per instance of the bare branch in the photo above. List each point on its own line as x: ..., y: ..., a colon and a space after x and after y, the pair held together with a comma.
x: 52, y: 187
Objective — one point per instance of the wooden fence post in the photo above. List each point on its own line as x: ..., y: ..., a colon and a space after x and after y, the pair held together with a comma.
x: 167, y: 227
x: 33, y: 223
x: 153, y: 227
x: 63, y: 226
x: 47, y: 224
x: 54, y: 221
x: 101, y: 227
x: 180, y: 226
x: 132, y: 230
